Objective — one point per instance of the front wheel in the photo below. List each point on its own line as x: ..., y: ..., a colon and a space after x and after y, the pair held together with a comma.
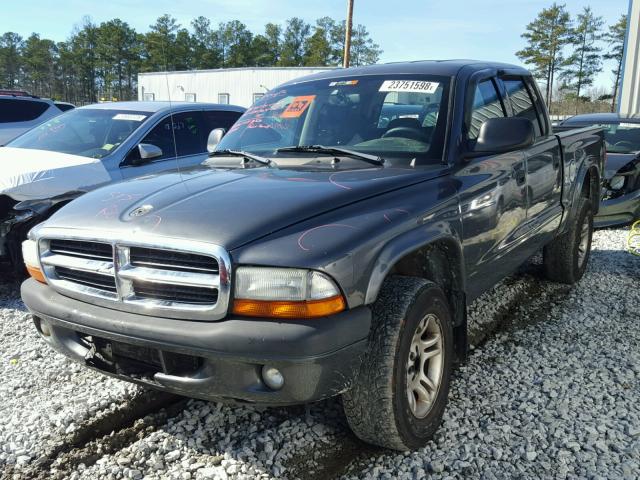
x: 401, y: 391
x: 565, y: 258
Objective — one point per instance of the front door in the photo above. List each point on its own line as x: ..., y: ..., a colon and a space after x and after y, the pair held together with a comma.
x: 492, y: 202
x: 543, y: 160
x: 182, y: 139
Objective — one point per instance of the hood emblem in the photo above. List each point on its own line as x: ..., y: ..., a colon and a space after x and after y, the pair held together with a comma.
x: 140, y: 211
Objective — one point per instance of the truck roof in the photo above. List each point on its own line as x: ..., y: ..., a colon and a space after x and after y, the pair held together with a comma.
x: 448, y: 68
x: 159, y: 106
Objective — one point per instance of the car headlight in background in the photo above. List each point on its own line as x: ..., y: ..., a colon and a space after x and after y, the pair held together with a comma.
x: 616, y: 183
x: 31, y: 260
x: 485, y: 200
x: 285, y: 293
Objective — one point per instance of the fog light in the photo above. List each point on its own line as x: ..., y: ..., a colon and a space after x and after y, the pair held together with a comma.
x: 272, y: 377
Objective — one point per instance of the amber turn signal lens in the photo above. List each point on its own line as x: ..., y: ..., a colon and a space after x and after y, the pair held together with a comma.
x: 285, y: 309
x: 36, y: 274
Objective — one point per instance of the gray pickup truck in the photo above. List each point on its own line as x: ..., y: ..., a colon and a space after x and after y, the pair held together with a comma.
x: 329, y: 246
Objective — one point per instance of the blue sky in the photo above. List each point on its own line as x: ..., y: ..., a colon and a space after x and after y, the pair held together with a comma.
x: 405, y: 29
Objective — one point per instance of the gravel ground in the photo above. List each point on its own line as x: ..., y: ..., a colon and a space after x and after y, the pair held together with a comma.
x: 551, y: 390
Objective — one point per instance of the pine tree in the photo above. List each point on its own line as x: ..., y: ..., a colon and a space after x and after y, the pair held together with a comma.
x: 546, y: 37
x: 205, y: 52
x: 318, y: 48
x: 10, y: 59
x: 585, y: 61
x: 616, y: 38
x: 159, y: 44
x: 235, y: 44
x: 294, y: 39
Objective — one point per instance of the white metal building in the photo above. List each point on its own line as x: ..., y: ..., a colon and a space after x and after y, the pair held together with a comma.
x: 237, y: 86
x: 630, y: 90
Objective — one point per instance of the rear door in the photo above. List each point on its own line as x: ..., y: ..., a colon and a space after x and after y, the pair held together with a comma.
x: 492, y: 197
x: 543, y: 159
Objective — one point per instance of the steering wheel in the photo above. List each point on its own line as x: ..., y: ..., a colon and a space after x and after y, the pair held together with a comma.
x: 405, y: 132
x: 623, y: 143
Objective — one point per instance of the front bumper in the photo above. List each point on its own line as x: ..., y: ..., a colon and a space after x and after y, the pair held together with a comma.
x: 618, y: 211
x: 219, y: 361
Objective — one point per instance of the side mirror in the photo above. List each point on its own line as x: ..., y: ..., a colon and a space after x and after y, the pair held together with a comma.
x: 500, y: 135
x: 148, y: 151
x: 214, y: 138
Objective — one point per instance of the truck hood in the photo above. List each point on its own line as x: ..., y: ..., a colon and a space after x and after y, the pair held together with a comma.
x: 229, y: 207
x: 27, y: 174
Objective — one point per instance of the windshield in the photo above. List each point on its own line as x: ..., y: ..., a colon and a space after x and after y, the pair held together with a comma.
x: 622, y: 137
x: 395, y: 117
x: 92, y: 133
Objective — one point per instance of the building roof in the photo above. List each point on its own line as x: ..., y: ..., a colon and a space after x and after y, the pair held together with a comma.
x: 237, y: 69
x: 153, y: 107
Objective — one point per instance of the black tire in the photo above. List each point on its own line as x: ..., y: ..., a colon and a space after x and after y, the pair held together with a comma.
x: 377, y: 407
x: 562, y: 258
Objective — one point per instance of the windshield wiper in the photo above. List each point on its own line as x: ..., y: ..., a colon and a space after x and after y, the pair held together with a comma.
x: 248, y: 157
x: 375, y: 160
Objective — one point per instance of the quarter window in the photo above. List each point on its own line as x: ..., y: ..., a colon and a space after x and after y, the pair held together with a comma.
x: 15, y: 110
x: 219, y: 119
x: 486, y: 105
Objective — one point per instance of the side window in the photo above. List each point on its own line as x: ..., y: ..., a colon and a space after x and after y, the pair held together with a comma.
x: 16, y: 110
x: 486, y: 104
x: 219, y: 119
x: 188, y: 133
x: 522, y: 103
x: 160, y: 136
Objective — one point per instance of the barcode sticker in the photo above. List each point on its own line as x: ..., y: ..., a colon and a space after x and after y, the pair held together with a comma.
x: 414, y: 86
x: 129, y: 116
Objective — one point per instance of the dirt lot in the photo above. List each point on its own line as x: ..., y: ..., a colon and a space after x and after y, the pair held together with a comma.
x: 551, y: 390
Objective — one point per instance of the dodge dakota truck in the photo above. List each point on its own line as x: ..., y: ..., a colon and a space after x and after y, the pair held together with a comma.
x: 329, y: 245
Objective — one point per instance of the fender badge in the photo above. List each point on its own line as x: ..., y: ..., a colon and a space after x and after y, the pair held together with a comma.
x: 140, y: 211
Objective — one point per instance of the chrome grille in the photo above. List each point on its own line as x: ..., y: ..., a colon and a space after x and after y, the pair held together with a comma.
x: 196, y: 295
x: 95, y: 250
x: 89, y: 279
x: 175, y: 278
x: 189, y: 262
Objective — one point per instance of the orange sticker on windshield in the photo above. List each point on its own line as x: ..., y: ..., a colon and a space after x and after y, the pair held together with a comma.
x: 298, y: 106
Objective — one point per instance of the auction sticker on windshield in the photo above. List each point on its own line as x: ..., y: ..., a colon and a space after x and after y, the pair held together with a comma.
x: 297, y: 106
x: 129, y: 116
x: 413, y: 86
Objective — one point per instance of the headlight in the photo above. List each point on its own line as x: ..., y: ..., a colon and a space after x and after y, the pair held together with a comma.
x: 485, y: 200
x: 31, y: 260
x: 616, y: 183
x: 285, y: 293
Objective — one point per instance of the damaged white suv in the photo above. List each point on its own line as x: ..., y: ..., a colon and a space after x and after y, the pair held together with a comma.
x: 84, y: 148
